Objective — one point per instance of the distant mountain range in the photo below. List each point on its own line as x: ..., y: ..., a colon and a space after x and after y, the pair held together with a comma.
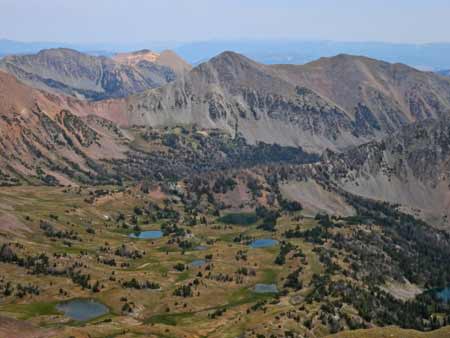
x: 11, y: 47
x: 444, y: 72
x: 424, y: 56
x: 331, y: 103
x: 90, y: 77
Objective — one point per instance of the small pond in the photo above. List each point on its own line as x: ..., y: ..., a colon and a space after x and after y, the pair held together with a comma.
x: 198, y: 263
x: 201, y: 248
x: 444, y: 294
x: 82, y: 309
x: 153, y: 234
x: 265, y: 288
x: 263, y: 243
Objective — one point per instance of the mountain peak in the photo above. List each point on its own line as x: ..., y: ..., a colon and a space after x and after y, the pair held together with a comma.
x: 343, y: 61
x: 135, y: 57
x: 143, y: 51
x: 60, y: 51
x: 345, y: 58
x: 235, y: 63
x: 231, y: 56
x: 166, y: 58
x: 172, y: 60
x: 48, y: 53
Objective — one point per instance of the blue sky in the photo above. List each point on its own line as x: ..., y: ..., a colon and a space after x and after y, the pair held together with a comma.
x: 93, y: 21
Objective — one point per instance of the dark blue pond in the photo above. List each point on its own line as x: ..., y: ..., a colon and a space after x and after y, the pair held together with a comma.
x: 266, y: 288
x: 82, y: 309
x: 444, y: 294
x: 263, y: 243
x: 154, y: 234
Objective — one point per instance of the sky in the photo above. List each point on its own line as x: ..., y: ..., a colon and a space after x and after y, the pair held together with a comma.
x: 133, y: 21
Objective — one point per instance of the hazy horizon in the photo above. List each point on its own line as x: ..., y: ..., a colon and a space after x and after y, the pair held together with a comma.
x: 184, y: 42
x: 177, y: 21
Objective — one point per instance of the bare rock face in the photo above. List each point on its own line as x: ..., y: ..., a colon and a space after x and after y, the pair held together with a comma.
x: 332, y: 103
x: 234, y: 93
x: 94, y: 78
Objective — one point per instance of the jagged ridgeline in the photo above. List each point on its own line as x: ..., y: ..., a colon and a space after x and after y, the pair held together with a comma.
x: 233, y: 111
x: 331, y: 103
